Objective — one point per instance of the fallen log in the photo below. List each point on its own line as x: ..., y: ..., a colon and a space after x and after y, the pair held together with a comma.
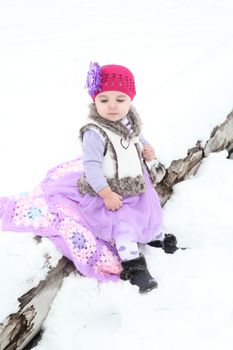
x: 220, y: 138
x: 19, y: 328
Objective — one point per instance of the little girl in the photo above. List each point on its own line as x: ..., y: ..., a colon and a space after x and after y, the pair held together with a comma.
x: 117, y: 199
x: 96, y: 209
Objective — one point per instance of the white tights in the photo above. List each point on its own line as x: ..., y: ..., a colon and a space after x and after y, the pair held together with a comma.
x: 128, y: 250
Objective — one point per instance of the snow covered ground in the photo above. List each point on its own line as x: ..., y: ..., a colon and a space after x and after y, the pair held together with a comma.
x: 23, y: 266
x: 192, y: 308
x: 181, y: 53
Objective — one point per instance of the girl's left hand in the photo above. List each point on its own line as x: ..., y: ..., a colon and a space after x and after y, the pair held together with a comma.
x: 148, y: 152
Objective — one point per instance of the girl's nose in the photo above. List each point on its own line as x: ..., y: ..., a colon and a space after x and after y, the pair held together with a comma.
x: 112, y: 104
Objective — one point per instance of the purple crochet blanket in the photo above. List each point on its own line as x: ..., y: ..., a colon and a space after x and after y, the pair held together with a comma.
x: 50, y: 211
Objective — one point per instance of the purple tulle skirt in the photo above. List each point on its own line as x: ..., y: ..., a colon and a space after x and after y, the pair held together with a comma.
x: 139, y: 219
x: 79, y: 225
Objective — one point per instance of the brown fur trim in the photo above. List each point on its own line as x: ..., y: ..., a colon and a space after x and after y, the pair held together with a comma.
x: 156, y: 172
x: 152, y: 172
x: 135, y: 120
x: 128, y: 185
x: 125, y: 186
x: 84, y: 186
x: 92, y: 126
x: 116, y: 126
x: 113, y: 155
x: 107, y: 147
x: 139, y: 155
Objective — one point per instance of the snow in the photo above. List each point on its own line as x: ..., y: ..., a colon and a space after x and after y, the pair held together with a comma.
x: 23, y: 266
x: 181, y: 53
x: 193, y: 304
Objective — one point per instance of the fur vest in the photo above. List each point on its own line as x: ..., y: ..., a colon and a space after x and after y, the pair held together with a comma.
x: 122, y: 163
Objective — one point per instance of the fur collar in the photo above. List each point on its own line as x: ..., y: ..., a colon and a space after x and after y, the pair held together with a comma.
x: 117, y: 126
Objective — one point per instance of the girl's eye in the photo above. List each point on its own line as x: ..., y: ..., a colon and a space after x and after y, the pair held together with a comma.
x: 104, y: 101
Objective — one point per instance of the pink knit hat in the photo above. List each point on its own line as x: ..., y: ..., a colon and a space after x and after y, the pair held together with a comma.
x: 111, y: 77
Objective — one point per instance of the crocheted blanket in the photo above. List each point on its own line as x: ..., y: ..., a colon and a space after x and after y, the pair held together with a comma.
x: 49, y: 210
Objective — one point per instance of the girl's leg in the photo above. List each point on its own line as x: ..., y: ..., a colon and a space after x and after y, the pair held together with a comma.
x: 159, y: 236
x: 126, y: 249
x: 168, y: 243
x: 134, y: 267
x: 136, y: 271
x: 126, y: 246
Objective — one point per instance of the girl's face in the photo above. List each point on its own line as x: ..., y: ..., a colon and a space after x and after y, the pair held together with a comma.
x: 112, y: 105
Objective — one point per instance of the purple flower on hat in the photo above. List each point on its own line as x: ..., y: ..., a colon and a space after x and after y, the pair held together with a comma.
x: 93, y: 83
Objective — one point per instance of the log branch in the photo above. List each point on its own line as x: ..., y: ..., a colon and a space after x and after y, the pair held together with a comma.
x: 221, y: 138
x: 19, y: 328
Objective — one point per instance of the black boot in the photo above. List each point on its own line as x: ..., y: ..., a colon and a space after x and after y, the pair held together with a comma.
x: 169, y: 244
x: 136, y: 272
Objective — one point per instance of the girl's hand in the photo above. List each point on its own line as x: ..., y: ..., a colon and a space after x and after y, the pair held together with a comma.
x: 148, y: 152
x: 112, y: 200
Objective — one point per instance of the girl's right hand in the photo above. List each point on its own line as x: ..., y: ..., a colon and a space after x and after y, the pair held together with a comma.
x: 113, y: 201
